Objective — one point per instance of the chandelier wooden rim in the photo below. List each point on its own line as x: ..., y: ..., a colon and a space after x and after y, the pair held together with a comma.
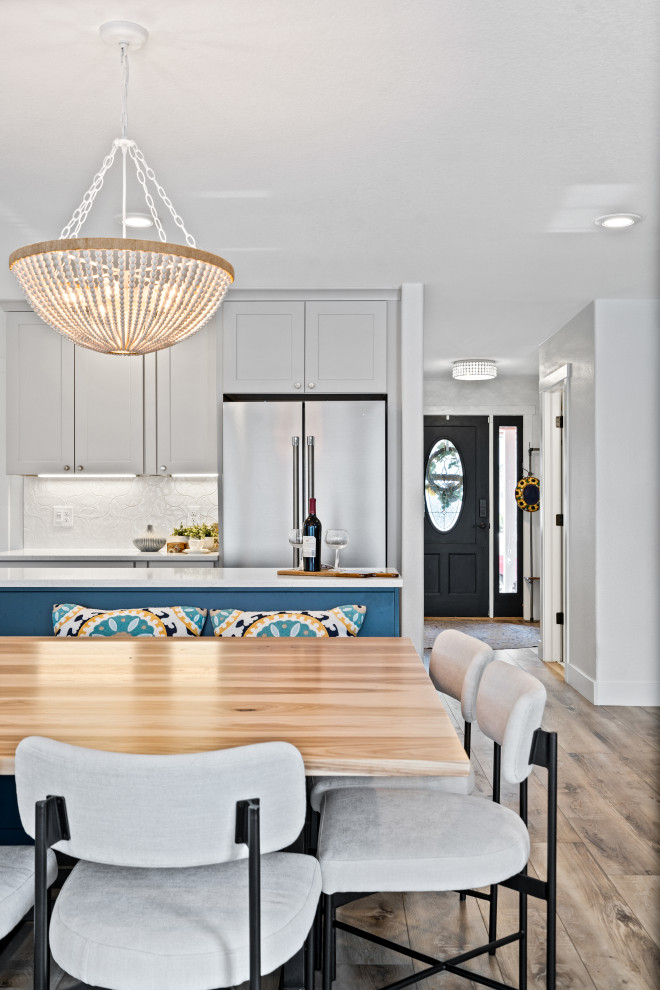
x: 120, y: 244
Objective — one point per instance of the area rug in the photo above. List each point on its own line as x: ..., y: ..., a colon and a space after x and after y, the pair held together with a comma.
x: 499, y: 635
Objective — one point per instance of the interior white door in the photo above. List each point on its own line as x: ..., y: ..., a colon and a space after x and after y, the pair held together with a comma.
x: 109, y: 414
x: 186, y: 406
x: 40, y: 366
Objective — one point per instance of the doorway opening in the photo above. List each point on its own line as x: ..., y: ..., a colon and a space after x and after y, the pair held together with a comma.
x: 470, y: 570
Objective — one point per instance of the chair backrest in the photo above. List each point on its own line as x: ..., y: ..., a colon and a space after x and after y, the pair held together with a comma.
x: 510, y: 706
x: 163, y: 811
x: 456, y: 667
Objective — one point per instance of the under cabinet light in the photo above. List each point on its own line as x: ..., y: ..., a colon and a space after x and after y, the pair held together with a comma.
x: 69, y: 476
x: 191, y: 475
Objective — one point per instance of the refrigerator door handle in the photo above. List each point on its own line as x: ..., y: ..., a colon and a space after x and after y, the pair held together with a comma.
x: 295, y: 446
x: 310, y: 470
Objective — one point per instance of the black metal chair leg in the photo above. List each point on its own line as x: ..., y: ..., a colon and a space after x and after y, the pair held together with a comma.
x: 334, y: 943
x: 492, y: 918
x: 318, y: 938
x: 328, y: 944
x: 522, y: 944
x: 309, y: 960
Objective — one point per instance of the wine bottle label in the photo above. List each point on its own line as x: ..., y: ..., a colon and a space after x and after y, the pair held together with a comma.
x: 309, y: 546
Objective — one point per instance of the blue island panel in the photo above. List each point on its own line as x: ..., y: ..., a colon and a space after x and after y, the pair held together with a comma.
x: 27, y: 611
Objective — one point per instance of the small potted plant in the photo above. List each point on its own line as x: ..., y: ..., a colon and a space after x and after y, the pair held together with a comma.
x: 200, y: 537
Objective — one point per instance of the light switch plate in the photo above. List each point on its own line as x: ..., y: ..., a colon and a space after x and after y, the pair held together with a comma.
x: 63, y: 515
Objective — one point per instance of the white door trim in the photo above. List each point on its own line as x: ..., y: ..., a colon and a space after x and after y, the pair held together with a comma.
x: 554, y: 390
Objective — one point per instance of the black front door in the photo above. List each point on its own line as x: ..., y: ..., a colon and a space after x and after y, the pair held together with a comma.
x: 456, y: 515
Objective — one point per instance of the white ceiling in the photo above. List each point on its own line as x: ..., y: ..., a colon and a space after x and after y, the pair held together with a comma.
x: 464, y: 144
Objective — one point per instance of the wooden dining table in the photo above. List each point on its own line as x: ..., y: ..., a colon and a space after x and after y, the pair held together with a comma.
x: 351, y: 706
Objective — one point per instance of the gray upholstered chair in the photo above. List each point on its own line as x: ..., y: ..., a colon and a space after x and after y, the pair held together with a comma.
x: 17, y: 883
x: 456, y: 666
x: 373, y: 839
x: 180, y: 883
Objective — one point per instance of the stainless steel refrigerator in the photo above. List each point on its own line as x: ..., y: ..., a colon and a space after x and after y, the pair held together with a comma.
x: 275, y: 454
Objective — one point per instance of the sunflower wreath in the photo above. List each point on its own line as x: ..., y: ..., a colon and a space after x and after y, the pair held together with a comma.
x: 528, y: 494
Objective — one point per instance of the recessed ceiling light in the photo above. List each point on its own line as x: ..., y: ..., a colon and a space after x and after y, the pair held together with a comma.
x: 136, y: 220
x: 474, y: 370
x: 618, y: 220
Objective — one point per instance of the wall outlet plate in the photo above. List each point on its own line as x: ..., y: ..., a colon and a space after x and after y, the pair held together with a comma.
x: 62, y: 515
x: 195, y: 515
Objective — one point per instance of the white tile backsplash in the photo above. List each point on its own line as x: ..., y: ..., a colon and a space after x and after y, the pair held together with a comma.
x: 109, y: 512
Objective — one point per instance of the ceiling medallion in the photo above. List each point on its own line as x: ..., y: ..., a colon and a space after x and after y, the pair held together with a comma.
x: 121, y: 295
x: 474, y: 369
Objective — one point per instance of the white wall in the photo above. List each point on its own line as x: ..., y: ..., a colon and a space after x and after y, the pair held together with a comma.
x: 612, y: 439
x: 506, y: 395
x: 628, y: 516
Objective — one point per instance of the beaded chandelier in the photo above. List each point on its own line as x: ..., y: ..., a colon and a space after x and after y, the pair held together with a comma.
x: 120, y: 295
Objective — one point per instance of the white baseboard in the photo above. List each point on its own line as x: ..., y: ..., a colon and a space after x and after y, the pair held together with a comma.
x: 583, y: 684
x: 631, y: 693
x: 628, y: 693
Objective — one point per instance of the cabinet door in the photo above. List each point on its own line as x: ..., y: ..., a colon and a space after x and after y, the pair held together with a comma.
x: 186, y: 406
x: 109, y: 413
x: 264, y: 347
x: 39, y: 397
x: 346, y: 347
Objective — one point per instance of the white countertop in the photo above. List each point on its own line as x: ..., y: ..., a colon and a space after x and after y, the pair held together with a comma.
x: 177, y: 577
x: 11, y: 556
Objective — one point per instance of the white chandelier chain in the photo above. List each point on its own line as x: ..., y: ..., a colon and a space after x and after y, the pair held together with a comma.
x: 143, y: 169
x: 72, y: 228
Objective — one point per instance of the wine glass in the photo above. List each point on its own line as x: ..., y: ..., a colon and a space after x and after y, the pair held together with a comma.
x: 296, y: 541
x: 337, y: 538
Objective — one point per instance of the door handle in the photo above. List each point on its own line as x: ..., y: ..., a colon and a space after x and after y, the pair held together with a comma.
x: 481, y: 525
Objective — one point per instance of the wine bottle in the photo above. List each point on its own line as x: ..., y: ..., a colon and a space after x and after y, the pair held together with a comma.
x: 311, y: 550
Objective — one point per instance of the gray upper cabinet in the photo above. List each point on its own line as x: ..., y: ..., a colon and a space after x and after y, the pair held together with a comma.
x: 109, y: 415
x: 40, y: 401
x: 70, y: 411
x: 186, y: 420
x: 264, y: 347
x: 346, y: 346
x: 305, y: 347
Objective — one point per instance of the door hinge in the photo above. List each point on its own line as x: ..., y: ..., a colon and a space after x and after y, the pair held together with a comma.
x: 559, y: 519
x: 559, y: 422
x: 559, y: 618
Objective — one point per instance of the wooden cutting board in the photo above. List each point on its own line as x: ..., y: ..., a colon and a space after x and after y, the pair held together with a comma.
x: 329, y: 572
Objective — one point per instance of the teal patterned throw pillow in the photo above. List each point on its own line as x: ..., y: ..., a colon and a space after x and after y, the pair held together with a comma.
x: 173, y: 620
x: 344, y: 620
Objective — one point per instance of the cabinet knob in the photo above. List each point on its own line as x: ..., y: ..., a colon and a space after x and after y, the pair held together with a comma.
x: 66, y: 467
x: 80, y: 467
x: 310, y: 385
x: 163, y: 467
x: 296, y: 384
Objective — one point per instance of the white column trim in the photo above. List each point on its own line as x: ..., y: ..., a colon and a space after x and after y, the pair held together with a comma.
x: 412, y: 456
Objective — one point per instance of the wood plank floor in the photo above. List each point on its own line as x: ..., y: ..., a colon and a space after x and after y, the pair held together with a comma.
x: 608, y: 868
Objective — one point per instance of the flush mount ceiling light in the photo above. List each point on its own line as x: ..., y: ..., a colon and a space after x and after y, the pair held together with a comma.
x: 122, y: 296
x: 135, y: 220
x: 474, y: 370
x: 616, y: 221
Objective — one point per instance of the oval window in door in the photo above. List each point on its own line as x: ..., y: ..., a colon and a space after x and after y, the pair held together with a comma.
x: 443, y: 485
